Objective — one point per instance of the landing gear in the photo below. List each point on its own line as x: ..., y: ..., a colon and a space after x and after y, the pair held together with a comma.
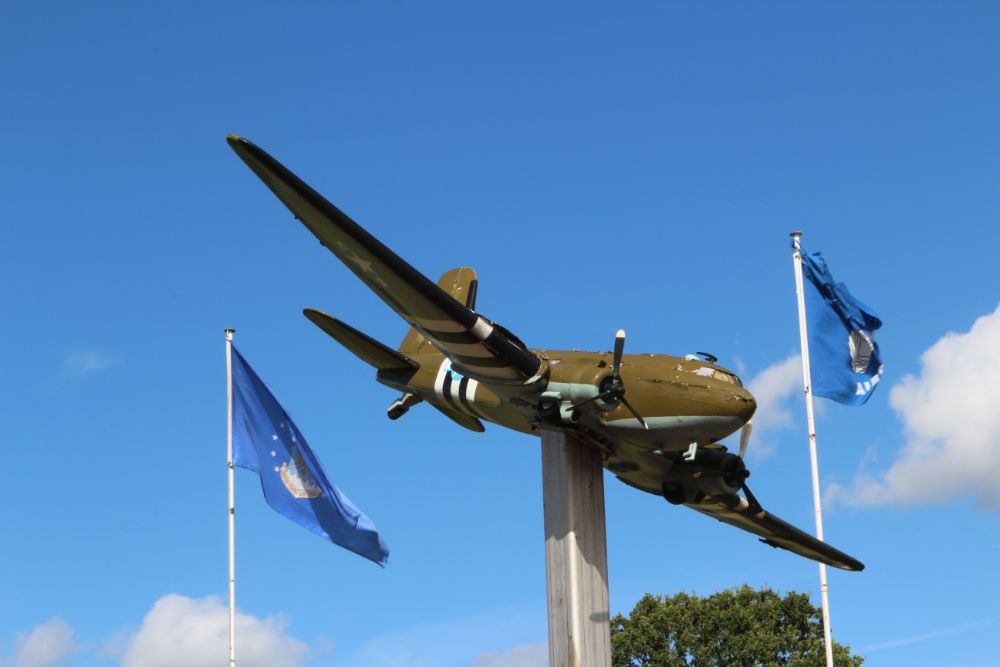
x: 548, y: 407
x: 676, y: 494
x: 673, y: 492
x: 401, y: 405
x: 555, y: 410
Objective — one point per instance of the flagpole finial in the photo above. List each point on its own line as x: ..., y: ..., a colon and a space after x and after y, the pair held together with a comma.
x: 795, y: 235
x: 229, y: 333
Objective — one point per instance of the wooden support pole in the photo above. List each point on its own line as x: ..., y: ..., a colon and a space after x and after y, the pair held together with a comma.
x: 576, y: 552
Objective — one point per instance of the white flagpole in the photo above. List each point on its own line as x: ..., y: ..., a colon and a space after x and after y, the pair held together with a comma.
x: 232, y: 497
x: 807, y: 384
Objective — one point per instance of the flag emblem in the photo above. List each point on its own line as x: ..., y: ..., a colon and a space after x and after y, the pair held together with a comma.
x: 296, y: 478
x: 862, y: 347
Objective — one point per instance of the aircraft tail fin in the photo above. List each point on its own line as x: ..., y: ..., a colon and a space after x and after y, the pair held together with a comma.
x: 364, y: 347
x: 461, y: 284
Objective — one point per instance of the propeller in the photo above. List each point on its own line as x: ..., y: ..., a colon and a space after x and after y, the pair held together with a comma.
x: 744, y: 442
x: 745, y: 437
x: 612, y: 389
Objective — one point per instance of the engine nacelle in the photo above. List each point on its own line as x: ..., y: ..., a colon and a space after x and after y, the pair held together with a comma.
x: 712, y: 472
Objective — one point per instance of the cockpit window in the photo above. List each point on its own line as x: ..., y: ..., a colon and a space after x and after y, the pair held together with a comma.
x: 727, y: 377
x: 718, y: 374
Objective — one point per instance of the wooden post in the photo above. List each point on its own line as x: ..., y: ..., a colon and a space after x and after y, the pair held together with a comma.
x: 576, y: 552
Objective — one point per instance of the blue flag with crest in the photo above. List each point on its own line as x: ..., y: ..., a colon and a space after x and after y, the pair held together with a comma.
x: 266, y: 441
x: 844, y: 358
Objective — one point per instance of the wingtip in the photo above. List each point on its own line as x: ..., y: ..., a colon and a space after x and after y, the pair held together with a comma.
x: 846, y: 563
x: 315, y: 315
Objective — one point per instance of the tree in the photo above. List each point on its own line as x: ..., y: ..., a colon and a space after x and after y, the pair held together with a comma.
x: 738, y: 627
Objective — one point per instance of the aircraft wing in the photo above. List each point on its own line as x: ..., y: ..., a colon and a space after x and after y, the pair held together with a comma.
x: 736, y: 511
x: 476, y: 346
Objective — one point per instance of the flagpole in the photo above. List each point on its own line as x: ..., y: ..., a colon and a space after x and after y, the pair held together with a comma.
x: 807, y: 384
x: 232, y: 497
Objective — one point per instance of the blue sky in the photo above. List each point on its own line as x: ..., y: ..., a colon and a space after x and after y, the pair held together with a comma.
x: 600, y: 167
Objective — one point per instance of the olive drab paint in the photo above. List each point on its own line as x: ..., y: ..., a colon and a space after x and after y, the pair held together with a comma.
x: 655, y: 419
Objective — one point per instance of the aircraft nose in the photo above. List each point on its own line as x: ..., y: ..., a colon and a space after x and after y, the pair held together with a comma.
x: 747, y: 404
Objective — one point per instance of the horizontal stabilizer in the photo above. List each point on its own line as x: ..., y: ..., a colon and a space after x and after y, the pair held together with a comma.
x: 462, y: 419
x: 364, y: 347
x: 775, y: 532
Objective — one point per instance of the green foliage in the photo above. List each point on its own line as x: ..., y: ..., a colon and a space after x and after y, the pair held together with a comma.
x: 739, y: 627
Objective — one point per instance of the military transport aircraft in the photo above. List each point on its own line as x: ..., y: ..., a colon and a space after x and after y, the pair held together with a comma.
x: 656, y: 419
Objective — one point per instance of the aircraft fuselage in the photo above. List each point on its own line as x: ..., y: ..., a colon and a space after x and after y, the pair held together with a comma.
x: 683, y: 402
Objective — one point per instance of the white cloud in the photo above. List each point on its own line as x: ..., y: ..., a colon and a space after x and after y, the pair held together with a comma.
x: 951, y: 418
x: 179, y: 630
x: 85, y: 362
x: 47, y: 645
x: 772, y: 388
x: 462, y: 640
x: 522, y: 655
x: 927, y: 636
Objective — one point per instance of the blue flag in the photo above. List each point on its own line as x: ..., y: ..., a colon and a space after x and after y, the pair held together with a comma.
x: 844, y: 357
x: 266, y: 441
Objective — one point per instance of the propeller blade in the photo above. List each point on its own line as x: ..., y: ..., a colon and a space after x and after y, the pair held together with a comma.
x: 634, y: 413
x: 615, y: 390
x: 616, y: 367
x: 751, y: 499
x: 603, y: 396
x: 745, y: 437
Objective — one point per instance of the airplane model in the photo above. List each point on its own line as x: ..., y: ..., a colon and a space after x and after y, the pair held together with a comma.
x: 656, y: 419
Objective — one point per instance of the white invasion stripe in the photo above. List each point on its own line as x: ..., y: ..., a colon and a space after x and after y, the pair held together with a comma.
x: 439, y: 325
x: 470, y: 391
x: 439, y: 380
x: 481, y: 329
